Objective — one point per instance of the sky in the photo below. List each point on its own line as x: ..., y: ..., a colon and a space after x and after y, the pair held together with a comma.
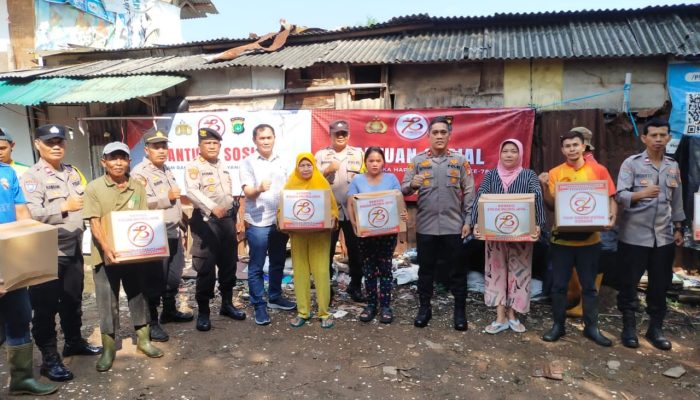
x: 238, y: 18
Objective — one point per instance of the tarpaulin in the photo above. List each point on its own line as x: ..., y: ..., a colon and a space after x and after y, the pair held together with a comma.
x: 476, y: 133
x: 684, y: 90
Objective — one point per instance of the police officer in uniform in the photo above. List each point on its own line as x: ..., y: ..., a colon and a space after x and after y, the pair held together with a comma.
x: 163, y: 194
x: 445, y: 187
x: 54, y: 193
x: 339, y: 163
x: 651, y: 202
x: 213, y: 226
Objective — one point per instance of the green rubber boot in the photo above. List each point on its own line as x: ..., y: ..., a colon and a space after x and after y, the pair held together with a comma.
x: 22, y: 379
x: 109, y: 351
x: 143, y: 343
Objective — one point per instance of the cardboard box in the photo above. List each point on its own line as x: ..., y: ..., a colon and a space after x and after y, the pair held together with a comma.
x: 28, y: 253
x: 581, y: 206
x: 507, y: 217
x: 378, y: 213
x: 305, y: 210
x: 137, y: 236
x: 696, y: 218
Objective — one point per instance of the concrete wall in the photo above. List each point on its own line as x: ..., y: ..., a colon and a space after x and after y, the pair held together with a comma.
x: 236, y: 80
x: 528, y: 82
x: 5, y: 48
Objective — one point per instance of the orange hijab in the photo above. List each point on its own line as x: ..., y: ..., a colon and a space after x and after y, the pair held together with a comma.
x: 316, y: 182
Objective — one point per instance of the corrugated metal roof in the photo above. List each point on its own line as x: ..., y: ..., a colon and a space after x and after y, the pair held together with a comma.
x: 67, y: 90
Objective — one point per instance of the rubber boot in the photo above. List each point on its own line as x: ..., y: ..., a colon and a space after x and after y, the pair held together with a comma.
x: 21, y: 372
x: 590, y: 322
x: 158, y: 334
x: 143, y: 343
x: 575, y: 309
x: 228, y: 309
x: 558, y: 317
x: 203, y: 321
x: 52, y: 366
x: 109, y: 351
x: 629, y: 330
x: 425, y: 312
x: 460, y: 315
x: 655, y: 335
x: 172, y: 314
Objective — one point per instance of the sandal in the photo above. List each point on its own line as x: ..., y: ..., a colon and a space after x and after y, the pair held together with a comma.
x: 298, y: 322
x: 327, y: 323
x: 516, y: 326
x: 496, y: 327
x: 368, y: 313
x: 386, y: 316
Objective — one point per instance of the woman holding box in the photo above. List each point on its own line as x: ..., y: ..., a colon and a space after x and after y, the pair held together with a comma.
x: 310, y: 249
x: 376, y: 252
x: 508, y: 265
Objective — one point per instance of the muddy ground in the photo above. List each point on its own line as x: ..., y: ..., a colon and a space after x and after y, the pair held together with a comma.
x: 356, y: 360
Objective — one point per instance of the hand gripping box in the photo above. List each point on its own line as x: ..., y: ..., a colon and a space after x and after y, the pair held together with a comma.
x: 378, y: 213
x: 28, y: 253
x: 137, y: 236
x: 305, y: 210
x: 581, y: 206
x: 507, y: 217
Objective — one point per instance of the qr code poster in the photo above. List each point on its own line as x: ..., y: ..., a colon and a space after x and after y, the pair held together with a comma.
x: 684, y: 90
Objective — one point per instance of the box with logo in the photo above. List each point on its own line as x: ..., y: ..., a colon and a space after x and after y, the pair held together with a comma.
x: 305, y: 210
x: 28, y: 253
x: 378, y: 213
x: 137, y: 236
x: 581, y: 206
x: 507, y: 217
x: 696, y: 219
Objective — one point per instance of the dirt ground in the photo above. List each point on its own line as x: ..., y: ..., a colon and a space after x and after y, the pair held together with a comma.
x: 355, y: 360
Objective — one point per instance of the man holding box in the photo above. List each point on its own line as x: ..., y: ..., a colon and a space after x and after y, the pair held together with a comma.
x: 213, y: 225
x: 579, y: 249
x: 445, y: 187
x: 15, y: 307
x: 339, y: 163
x: 650, y: 194
x: 116, y: 191
x: 162, y: 193
x: 54, y: 193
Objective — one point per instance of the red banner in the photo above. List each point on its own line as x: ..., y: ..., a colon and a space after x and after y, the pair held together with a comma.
x: 476, y: 133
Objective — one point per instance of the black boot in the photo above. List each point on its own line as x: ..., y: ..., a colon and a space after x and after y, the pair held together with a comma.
x: 156, y: 332
x: 559, y: 319
x: 203, y: 322
x: 355, y: 292
x: 172, y: 314
x: 80, y: 347
x: 629, y: 330
x: 655, y: 336
x: 228, y: 309
x: 52, y: 366
x: 424, y: 314
x: 460, y: 315
x: 590, y: 322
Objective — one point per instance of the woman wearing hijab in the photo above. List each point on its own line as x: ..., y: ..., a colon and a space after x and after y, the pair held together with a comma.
x: 310, y: 249
x: 376, y: 252
x: 508, y: 265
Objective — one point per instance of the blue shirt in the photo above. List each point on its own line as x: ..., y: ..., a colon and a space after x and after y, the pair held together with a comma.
x: 10, y: 194
x: 360, y: 184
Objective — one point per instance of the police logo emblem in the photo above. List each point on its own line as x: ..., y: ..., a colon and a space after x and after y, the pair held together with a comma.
x: 29, y: 186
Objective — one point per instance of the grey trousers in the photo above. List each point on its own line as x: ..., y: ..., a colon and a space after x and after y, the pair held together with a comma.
x: 108, y: 279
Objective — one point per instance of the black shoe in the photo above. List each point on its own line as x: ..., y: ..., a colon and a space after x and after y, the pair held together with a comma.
x: 80, y: 348
x: 656, y: 337
x: 157, y: 333
x: 229, y: 310
x: 629, y: 331
x: 175, y: 316
x: 460, y: 315
x: 53, y: 368
x: 423, y: 316
x: 355, y: 293
x: 203, y: 322
x: 555, y: 333
x: 593, y: 333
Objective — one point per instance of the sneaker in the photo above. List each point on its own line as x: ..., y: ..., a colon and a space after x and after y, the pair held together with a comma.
x: 281, y: 304
x: 261, y: 317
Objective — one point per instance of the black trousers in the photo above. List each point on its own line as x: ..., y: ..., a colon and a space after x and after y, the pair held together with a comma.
x: 62, y: 296
x: 566, y: 258
x: 431, y: 248
x: 214, y: 244
x: 658, y: 262
x: 354, y: 259
x: 164, y: 282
